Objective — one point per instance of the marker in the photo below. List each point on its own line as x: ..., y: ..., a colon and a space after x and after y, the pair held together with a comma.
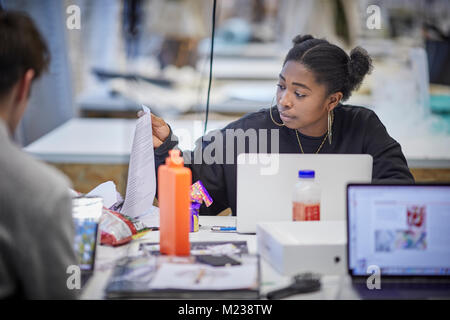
x: 218, y: 228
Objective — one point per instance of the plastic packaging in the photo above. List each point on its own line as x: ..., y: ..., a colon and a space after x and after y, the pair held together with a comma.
x: 194, y: 210
x: 198, y: 195
x: 174, y: 182
x: 306, y: 197
x: 117, y: 229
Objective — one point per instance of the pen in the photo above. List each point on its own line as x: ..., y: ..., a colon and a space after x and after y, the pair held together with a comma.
x: 200, y: 275
x: 218, y: 228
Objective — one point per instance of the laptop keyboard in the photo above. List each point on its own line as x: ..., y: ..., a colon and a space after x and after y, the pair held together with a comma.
x: 416, y: 284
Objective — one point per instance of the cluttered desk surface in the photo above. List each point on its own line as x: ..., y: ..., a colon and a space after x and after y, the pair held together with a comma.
x: 333, y: 287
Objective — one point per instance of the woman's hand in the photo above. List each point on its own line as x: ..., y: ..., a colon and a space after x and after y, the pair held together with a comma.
x: 160, y: 129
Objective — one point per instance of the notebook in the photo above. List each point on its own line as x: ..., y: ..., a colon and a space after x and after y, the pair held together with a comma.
x: 208, y: 274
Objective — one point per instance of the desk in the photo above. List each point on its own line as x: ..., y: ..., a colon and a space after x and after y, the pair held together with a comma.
x: 333, y: 287
x: 107, y: 103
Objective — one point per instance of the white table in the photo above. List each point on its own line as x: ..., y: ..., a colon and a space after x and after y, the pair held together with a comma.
x: 93, y: 140
x: 91, y: 151
x: 96, y: 140
x: 333, y: 287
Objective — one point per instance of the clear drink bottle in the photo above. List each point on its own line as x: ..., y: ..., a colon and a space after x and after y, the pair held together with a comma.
x: 306, y: 197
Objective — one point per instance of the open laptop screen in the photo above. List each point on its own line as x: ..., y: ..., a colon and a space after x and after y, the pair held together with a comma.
x: 401, y: 229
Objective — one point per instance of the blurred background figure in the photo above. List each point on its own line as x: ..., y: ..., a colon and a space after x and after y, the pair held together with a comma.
x: 51, y: 103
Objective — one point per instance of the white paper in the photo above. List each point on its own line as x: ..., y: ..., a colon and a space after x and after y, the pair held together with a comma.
x: 107, y: 191
x: 150, y: 218
x: 73, y: 193
x: 222, y: 249
x: 204, y: 277
x: 141, y: 184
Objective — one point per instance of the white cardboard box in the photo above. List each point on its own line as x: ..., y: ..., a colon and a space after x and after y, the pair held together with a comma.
x: 292, y: 247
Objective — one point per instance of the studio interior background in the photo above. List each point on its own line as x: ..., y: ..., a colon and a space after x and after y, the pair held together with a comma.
x: 111, y: 56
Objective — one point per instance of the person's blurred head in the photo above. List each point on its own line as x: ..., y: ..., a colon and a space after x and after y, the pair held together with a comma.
x: 24, y: 56
x: 315, y: 77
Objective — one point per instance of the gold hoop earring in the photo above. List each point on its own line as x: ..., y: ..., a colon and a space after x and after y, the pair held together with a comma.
x: 271, y: 117
x: 330, y: 127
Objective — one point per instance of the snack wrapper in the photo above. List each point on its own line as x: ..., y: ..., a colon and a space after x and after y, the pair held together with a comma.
x: 117, y: 229
x: 198, y: 195
x: 194, y: 216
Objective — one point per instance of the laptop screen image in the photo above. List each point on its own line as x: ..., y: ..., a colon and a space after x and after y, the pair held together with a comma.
x: 401, y: 229
x: 86, y: 214
x: 85, y: 242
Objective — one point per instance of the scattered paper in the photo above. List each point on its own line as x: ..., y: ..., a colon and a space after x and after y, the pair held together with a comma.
x: 222, y: 249
x: 73, y: 193
x: 108, y: 192
x: 150, y: 218
x: 141, y: 184
x: 141, y: 270
x: 204, y: 277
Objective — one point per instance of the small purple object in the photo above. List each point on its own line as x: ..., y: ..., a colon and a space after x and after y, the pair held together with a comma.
x: 199, y: 194
x: 194, y: 209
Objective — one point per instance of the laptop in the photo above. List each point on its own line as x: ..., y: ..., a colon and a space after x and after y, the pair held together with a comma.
x: 86, y: 212
x: 265, y: 184
x: 399, y: 240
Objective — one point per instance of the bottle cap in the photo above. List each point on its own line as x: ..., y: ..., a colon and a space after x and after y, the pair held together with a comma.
x: 306, y: 174
x: 174, y: 159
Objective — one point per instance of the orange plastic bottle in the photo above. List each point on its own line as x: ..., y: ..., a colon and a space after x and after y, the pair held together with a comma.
x: 174, y: 182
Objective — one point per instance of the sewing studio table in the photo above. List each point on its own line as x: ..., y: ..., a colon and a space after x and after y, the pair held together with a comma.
x: 333, y: 286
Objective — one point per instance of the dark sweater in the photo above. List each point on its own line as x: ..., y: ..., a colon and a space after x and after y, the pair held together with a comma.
x: 356, y: 130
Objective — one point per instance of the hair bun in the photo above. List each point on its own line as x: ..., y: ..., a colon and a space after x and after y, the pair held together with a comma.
x: 359, y: 65
x: 299, y: 39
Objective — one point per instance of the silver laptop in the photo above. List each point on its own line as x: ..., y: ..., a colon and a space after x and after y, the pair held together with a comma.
x: 399, y: 240
x: 265, y: 184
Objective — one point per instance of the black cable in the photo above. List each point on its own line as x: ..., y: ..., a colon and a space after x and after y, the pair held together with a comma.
x: 210, y: 63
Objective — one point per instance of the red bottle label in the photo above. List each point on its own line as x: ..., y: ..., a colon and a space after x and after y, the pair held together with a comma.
x: 305, y: 212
